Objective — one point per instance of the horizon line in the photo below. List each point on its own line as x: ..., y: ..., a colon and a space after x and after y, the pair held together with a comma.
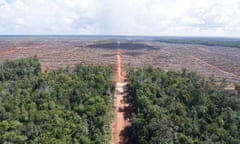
x: 115, y: 35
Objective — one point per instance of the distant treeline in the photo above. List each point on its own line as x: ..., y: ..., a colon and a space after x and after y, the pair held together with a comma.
x: 223, y: 42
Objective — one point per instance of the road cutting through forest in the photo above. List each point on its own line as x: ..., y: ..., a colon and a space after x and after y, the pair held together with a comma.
x: 119, y: 122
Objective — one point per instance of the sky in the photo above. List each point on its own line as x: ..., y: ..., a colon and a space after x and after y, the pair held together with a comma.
x: 121, y: 17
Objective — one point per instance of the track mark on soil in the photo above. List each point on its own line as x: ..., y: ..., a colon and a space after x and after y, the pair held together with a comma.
x: 119, y: 122
x: 212, y: 66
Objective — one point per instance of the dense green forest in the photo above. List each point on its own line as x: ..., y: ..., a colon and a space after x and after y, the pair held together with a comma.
x: 69, y: 105
x: 73, y: 105
x: 224, y: 42
x: 181, y: 108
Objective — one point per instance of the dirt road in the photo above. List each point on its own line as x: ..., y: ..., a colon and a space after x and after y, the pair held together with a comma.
x: 119, y: 123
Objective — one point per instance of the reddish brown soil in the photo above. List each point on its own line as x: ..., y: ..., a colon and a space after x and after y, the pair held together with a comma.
x: 57, y: 53
x: 212, y: 66
x: 220, y: 62
x: 119, y: 123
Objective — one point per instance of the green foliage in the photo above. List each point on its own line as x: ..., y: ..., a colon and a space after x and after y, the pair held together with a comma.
x: 69, y: 105
x: 181, y: 108
x: 73, y: 105
x: 14, y: 70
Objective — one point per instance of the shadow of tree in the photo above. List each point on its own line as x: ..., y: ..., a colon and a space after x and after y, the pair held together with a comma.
x: 128, y: 134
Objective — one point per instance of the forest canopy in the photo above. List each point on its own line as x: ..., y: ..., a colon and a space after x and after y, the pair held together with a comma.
x: 74, y: 105
x: 181, y: 108
x: 70, y: 105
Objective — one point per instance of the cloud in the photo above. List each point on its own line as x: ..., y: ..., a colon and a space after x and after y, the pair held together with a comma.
x: 124, y: 17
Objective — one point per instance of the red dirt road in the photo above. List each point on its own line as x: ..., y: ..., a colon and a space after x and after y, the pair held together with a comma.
x: 119, y: 123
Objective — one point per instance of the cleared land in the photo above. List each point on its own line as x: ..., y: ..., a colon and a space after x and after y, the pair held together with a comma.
x: 120, y: 123
x: 221, y: 62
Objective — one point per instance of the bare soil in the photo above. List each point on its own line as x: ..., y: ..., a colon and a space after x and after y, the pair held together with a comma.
x: 220, y: 62
x: 120, y: 122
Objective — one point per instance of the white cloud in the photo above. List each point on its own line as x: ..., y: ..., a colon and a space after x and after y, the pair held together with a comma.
x: 134, y: 17
x: 186, y: 20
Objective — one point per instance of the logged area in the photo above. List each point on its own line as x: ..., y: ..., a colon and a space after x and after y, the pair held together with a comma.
x: 220, y: 62
x: 124, y: 92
